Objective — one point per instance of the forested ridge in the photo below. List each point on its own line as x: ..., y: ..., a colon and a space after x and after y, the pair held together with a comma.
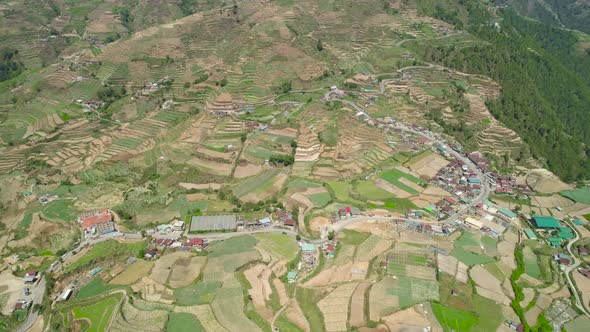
x: 573, y: 14
x: 544, y: 79
x: 9, y: 65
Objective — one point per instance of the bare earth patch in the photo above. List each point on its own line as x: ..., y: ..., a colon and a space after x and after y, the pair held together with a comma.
x: 411, y: 319
x: 132, y: 273
x: 186, y: 270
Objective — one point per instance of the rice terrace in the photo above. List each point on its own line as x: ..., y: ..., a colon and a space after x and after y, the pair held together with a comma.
x: 294, y: 165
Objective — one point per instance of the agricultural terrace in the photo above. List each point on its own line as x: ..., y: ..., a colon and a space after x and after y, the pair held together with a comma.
x: 474, y: 248
x: 110, y: 250
x: 581, y: 195
x: 402, y: 180
x: 261, y: 187
x: 93, y: 314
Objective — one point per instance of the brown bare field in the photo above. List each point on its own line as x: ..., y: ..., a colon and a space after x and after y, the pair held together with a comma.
x: 369, y: 249
x: 207, y: 318
x: 153, y: 291
x: 428, y: 165
x: 287, y: 132
x: 200, y: 197
x: 447, y: 264
x: 411, y: 184
x: 336, y: 274
x: 392, y: 189
x: 295, y: 315
x: 383, y: 229
x: 186, y: 270
x: 487, y: 285
x: 317, y: 223
x: 244, y: 171
x: 164, y: 265
x: 545, y: 182
x: 551, y: 201
x: 421, y: 272
x: 583, y: 285
x: 132, y: 273
x: 10, y: 286
x: 345, y: 254
x: 529, y: 294
x: 200, y: 186
x: 357, y: 308
x: 334, y: 307
x: 411, y: 319
x: 379, y: 299
x: 258, y: 276
x: 532, y: 315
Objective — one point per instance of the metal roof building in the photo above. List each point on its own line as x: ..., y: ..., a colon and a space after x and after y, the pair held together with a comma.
x: 529, y: 232
x: 545, y: 222
x: 507, y: 212
x: 214, y: 223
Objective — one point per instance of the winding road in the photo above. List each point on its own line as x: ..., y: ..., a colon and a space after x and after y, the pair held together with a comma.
x: 572, y: 269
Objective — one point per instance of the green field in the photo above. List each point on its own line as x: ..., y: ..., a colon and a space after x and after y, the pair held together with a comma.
x: 581, y: 195
x: 467, y: 250
x: 353, y: 237
x: 369, y: 191
x: 531, y: 265
x: 98, y: 313
x: 93, y: 288
x: 110, y: 249
x: 393, y: 176
x: 320, y: 199
x: 281, y: 246
x: 234, y: 245
x: 62, y: 209
x: 257, y: 184
x: 183, y: 322
x: 453, y: 319
x: 198, y: 293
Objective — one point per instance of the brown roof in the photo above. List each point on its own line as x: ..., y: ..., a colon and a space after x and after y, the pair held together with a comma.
x: 101, y: 217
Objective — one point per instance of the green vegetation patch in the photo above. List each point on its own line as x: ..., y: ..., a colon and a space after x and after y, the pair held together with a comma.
x: 308, y: 299
x: 464, y: 250
x: 183, y: 322
x: 110, y: 249
x: 63, y: 210
x: 531, y: 265
x: 581, y: 195
x: 234, y: 245
x: 320, y: 199
x: 353, y: 237
x: 393, y: 176
x: 370, y: 191
x: 197, y: 293
x: 93, y: 288
x: 278, y: 245
x: 452, y: 319
x: 257, y: 183
x: 98, y: 313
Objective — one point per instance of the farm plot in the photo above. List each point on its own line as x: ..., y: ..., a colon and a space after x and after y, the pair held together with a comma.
x: 129, y: 318
x: 98, y: 314
x: 531, y: 265
x: 373, y: 246
x: 452, y: 266
x: 186, y: 270
x: 334, y: 307
x: 402, y: 180
x: 183, y: 322
x: 581, y: 195
x: 454, y: 319
x: 260, y: 187
x: 390, y: 294
x: 357, y: 305
x: 260, y: 291
x: 132, y: 273
x: 411, y: 262
x: 280, y: 246
x: 415, y: 318
x: 163, y: 266
x: 488, y: 286
x: 228, y: 307
x: 469, y: 249
x: 427, y: 164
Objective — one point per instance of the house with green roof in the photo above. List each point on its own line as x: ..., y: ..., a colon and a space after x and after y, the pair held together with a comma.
x: 308, y: 248
x: 530, y: 234
x: 565, y: 233
x: 507, y: 213
x: 545, y: 222
x: 292, y: 276
x: 555, y: 241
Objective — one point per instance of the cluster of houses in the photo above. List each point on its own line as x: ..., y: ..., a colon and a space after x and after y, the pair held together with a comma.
x: 458, y: 179
x: 285, y: 218
x: 196, y: 243
x: 97, y: 222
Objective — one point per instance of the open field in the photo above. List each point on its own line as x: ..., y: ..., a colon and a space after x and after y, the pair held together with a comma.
x: 454, y: 319
x: 183, y: 322
x: 97, y: 314
x: 470, y: 249
x: 402, y: 180
x: 280, y: 246
x: 132, y: 273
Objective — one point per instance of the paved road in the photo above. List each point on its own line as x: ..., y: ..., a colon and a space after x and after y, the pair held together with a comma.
x: 572, y: 269
x: 37, y: 298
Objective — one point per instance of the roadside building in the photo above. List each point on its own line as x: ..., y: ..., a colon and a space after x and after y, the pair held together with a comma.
x: 177, y: 225
x: 308, y: 248
x: 507, y: 213
x: 97, y: 222
x: 470, y: 221
x: 264, y: 222
x: 345, y: 212
x: 150, y: 253
x: 31, y: 276
x: 530, y: 234
x: 292, y: 276
x: 65, y: 295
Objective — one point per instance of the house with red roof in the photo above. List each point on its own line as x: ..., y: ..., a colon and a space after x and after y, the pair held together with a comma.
x: 97, y: 222
x: 345, y: 212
